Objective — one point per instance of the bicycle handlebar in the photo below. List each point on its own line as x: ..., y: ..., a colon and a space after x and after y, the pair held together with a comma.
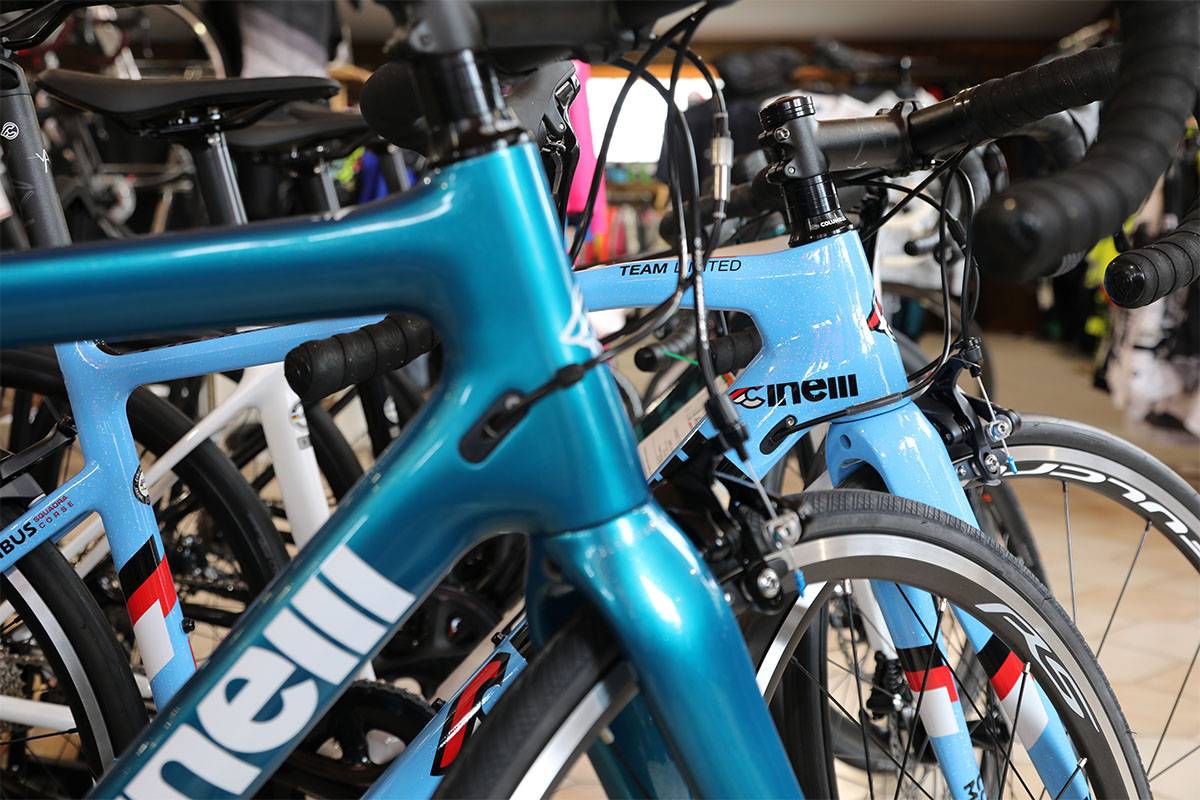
x: 906, y: 139
x: 1023, y: 232
x: 729, y: 353
x: 1139, y: 277
x: 319, y: 368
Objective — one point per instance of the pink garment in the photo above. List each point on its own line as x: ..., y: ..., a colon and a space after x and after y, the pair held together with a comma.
x: 581, y: 121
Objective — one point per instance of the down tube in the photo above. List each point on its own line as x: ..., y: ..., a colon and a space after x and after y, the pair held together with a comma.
x: 310, y: 632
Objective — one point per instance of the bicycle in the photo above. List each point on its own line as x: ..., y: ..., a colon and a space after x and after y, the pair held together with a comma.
x: 773, y: 392
x: 304, y: 145
x: 558, y: 336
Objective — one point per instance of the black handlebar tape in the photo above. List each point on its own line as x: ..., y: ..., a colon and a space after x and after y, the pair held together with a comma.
x: 1139, y: 277
x: 1023, y: 233
x: 733, y: 352
x: 319, y: 368
x: 1000, y: 106
x: 653, y: 357
x: 1060, y: 136
x: 729, y: 353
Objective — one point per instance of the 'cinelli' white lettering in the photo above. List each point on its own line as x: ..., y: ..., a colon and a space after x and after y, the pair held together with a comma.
x: 362, y: 584
x: 231, y: 722
x: 328, y: 612
x: 192, y: 750
x: 299, y: 642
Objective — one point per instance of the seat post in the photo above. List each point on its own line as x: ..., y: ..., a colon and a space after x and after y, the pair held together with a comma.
x: 316, y: 183
x: 218, y: 182
x: 395, y: 171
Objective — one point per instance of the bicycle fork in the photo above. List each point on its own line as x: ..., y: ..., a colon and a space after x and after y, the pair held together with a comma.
x: 902, y: 447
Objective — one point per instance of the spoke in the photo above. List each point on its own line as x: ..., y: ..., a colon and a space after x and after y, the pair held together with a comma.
x: 846, y: 713
x: 1156, y: 775
x: 858, y: 687
x: 850, y: 673
x: 1070, y: 778
x: 1174, y: 708
x: 933, y: 649
x: 1070, y: 554
x: 67, y: 732
x: 1012, y: 734
x: 1124, y: 586
x: 971, y: 700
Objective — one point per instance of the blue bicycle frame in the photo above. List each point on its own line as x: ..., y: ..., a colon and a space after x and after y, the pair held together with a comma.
x: 473, y: 249
x: 826, y: 347
x: 110, y: 482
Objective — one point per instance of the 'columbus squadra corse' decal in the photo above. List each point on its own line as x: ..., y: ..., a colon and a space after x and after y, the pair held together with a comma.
x: 43, y: 519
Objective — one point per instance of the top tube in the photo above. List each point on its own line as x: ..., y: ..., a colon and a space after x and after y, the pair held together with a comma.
x: 403, y: 253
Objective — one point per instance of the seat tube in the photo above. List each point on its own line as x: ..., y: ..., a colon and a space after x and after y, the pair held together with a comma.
x: 286, y: 430
x: 98, y: 404
x: 28, y: 161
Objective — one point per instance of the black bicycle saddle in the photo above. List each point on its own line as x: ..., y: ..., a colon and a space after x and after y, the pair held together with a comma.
x: 44, y: 16
x: 305, y: 126
x: 164, y: 105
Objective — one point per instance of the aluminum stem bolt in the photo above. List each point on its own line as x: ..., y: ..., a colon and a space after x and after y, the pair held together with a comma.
x: 768, y: 583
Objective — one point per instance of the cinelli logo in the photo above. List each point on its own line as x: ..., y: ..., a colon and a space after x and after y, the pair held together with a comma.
x: 791, y: 392
x: 230, y: 715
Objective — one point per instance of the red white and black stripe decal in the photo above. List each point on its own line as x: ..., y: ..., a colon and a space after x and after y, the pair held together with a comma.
x: 938, y: 711
x: 876, y: 321
x: 1005, y: 672
x: 465, y: 712
x: 149, y: 597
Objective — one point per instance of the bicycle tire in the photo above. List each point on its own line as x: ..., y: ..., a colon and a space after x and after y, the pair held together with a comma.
x: 1086, y: 457
x: 843, y: 530
x: 89, y: 664
x: 335, y: 457
x: 1042, y: 440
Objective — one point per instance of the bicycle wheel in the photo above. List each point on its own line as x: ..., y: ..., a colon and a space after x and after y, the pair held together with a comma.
x: 56, y: 650
x: 577, y: 674
x: 1119, y: 534
x: 219, y: 539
